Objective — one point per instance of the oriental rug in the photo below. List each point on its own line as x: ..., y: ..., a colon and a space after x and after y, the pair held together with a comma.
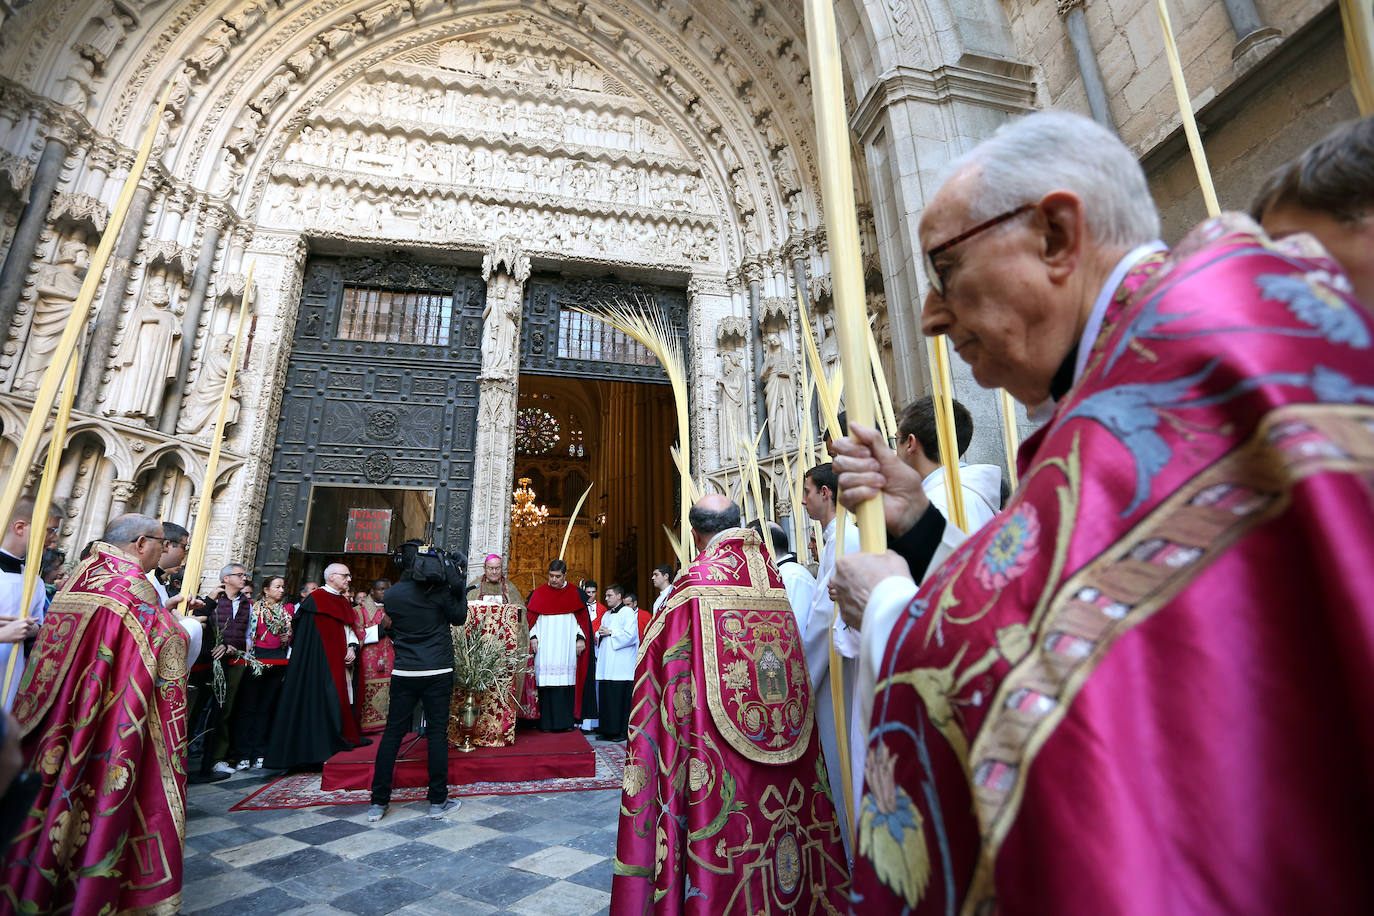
x: 304, y: 790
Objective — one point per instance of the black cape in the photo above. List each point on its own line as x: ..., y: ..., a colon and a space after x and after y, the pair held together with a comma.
x: 308, y: 728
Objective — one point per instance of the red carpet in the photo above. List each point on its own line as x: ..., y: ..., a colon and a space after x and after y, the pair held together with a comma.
x: 303, y: 790
x: 534, y: 755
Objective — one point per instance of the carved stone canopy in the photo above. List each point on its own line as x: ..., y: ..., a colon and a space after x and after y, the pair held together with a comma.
x: 731, y: 331
x: 230, y: 286
x: 78, y: 212
x: 176, y: 259
x: 822, y: 296
x: 506, y: 253
x: 15, y: 174
x: 775, y: 313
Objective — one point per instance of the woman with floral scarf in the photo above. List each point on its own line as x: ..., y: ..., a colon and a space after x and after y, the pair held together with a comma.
x: 269, y: 637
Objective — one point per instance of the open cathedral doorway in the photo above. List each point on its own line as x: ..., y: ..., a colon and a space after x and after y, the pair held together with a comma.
x: 576, y: 432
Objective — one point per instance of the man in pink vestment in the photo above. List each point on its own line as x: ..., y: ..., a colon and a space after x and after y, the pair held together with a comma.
x: 102, y: 707
x: 726, y: 808
x: 1145, y: 686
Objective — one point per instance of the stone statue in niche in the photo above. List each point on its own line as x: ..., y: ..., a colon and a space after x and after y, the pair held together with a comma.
x: 148, y: 355
x: 734, y: 416
x: 56, y: 286
x: 202, y: 403
x: 780, y: 390
x: 500, y: 316
x: 828, y: 344
x: 201, y: 407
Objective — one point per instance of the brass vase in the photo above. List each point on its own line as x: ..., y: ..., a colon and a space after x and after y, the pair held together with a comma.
x: 466, y: 718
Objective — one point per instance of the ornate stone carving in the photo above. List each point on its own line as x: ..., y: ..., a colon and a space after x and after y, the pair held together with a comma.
x: 502, y: 318
x: 103, y: 33
x: 733, y: 418
x: 148, y: 355
x: 56, y: 287
x: 201, y: 406
x: 15, y: 174
x: 78, y: 211
x: 780, y: 390
x: 169, y: 256
x: 213, y: 48
x: 732, y: 331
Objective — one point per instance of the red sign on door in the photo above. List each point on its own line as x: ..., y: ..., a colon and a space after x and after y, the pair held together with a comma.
x: 369, y: 531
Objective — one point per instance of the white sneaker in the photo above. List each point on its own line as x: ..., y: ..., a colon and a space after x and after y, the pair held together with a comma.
x: 226, y: 769
x: 257, y: 764
x: 244, y: 764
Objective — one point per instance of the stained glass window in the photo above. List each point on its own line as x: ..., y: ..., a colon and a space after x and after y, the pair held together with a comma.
x: 575, y: 446
x: 536, y: 431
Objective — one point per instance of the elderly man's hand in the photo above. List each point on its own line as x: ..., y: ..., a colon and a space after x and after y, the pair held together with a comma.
x: 867, y: 467
x: 855, y: 576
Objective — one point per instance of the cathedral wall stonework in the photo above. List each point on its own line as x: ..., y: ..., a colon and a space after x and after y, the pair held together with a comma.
x: 663, y: 138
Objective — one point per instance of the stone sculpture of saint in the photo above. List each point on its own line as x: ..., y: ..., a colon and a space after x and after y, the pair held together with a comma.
x: 148, y: 356
x: 780, y: 391
x: 501, y: 314
x: 734, y: 418
x: 56, y: 287
x: 201, y: 407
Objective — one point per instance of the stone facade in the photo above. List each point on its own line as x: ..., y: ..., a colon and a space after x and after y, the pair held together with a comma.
x: 659, y: 138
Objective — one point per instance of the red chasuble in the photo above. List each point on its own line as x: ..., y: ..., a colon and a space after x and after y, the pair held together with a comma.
x: 546, y: 601
x: 334, y: 616
x: 103, y: 710
x: 725, y: 806
x: 1148, y: 685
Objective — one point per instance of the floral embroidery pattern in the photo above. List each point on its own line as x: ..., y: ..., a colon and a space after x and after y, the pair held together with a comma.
x: 890, y: 830
x: 1011, y: 550
x: 1314, y: 298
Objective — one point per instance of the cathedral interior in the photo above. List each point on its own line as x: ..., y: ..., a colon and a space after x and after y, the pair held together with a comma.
x: 431, y: 194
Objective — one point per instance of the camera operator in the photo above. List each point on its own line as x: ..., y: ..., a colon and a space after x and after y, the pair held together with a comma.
x: 421, y: 607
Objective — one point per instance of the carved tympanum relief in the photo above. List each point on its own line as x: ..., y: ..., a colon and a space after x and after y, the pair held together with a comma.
x: 492, y: 136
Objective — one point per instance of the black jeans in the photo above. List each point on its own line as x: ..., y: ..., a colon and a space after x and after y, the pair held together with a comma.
x: 433, y: 693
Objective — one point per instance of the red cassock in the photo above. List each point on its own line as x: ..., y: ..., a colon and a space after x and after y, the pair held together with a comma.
x: 546, y: 601
x: 1145, y: 687
x: 102, y: 707
x: 334, y: 617
x: 725, y: 807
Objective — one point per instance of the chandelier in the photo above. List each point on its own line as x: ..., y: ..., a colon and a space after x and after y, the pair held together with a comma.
x: 525, y: 514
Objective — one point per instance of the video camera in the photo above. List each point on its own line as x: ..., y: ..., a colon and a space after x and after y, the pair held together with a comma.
x: 430, y: 565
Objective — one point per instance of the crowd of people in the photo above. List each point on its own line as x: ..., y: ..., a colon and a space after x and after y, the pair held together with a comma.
x: 1137, y: 683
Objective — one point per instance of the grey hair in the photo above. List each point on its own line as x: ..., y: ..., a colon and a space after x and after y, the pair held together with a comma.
x: 230, y: 568
x: 130, y: 527
x: 1045, y: 151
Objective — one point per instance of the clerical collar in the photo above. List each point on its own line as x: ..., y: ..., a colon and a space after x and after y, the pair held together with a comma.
x: 1071, y: 369
x: 10, y: 563
x: 331, y: 590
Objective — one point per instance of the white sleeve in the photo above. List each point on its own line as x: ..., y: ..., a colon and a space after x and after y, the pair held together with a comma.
x: 885, y: 605
x: 624, y: 630
x: 350, y: 637
x: 370, y: 635
x: 847, y: 639
x: 194, y: 634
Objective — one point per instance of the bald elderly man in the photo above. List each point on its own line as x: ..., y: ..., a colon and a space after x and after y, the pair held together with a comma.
x: 1145, y: 685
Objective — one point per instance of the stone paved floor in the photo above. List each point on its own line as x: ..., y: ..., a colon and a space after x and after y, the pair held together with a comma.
x: 528, y: 854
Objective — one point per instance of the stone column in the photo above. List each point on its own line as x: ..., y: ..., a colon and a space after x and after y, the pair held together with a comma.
x: 15, y: 271
x: 753, y: 272
x: 493, y: 474
x: 912, y: 124
x: 190, y: 324
x: 1253, y: 37
x: 120, y: 494
x: 1076, y: 24
x: 116, y: 285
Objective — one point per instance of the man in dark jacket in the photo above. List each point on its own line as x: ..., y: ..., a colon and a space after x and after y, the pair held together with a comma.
x: 420, y: 613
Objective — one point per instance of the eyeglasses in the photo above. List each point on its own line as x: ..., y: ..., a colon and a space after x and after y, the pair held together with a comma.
x: 933, y: 274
